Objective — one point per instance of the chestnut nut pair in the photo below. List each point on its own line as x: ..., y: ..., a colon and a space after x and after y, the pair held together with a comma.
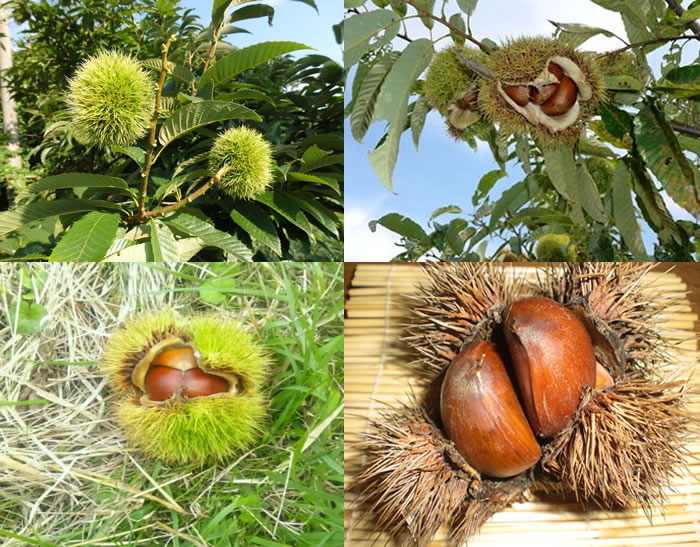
x: 554, y: 99
x: 553, y: 360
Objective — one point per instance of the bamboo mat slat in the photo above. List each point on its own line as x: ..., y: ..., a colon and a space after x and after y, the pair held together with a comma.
x: 376, y: 377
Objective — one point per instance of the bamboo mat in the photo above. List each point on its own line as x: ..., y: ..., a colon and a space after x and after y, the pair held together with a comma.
x: 375, y: 378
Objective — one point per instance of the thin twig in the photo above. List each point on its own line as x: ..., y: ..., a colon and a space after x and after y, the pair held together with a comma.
x: 154, y: 123
x: 686, y: 129
x: 184, y: 201
x: 450, y: 26
x: 648, y: 43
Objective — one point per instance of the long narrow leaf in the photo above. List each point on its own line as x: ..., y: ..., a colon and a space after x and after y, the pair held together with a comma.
x: 21, y: 216
x: 193, y: 226
x: 256, y: 222
x: 392, y: 105
x: 623, y: 210
x: 288, y: 209
x: 163, y: 242
x: 248, y: 57
x: 202, y: 113
x: 88, y: 239
x: 76, y: 180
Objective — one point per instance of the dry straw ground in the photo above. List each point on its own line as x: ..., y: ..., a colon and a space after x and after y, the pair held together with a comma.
x: 67, y: 474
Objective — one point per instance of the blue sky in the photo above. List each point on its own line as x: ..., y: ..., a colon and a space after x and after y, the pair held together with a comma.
x: 294, y: 21
x: 444, y: 172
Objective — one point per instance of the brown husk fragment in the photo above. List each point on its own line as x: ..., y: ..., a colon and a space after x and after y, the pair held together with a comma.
x: 623, y: 446
x: 461, y: 297
x: 415, y: 481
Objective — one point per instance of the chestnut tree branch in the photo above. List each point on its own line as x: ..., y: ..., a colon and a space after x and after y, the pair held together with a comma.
x: 678, y: 10
x: 184, y: 201
x: 212, y: 49
x: 154, y: 122
x: 686, y: 129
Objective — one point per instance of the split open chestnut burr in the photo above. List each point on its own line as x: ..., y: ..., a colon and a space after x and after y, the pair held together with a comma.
x: 493, y: 423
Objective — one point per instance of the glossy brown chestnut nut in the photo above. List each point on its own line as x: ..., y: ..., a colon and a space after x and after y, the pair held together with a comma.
x: 481, y: 413
x: 602, y: 377
x: 553, y: 358
x: 175, y: 371
x: 561, y: 101
x: 520, y: 94
x: 541, y: 95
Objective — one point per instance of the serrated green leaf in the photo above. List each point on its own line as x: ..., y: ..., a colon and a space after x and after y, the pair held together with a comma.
x: 400, y: 224
x: 196, y: 115
x: 317, y: 210
x: 163, y: 243
x: 88, y: 239
x: 486, y: 183
x: 365, y: 98
x: 193, y: 226
x: 457, y: 234
x: 361, y: 29
x: 76, y: 180
x: 620, y: 82
x: 652, y: 204
x: 134, y: 152
x: 257, y: 223
x: 510, y: 201
x: 420, y: 111
x: 351, y: 4
x: 245, y: 58
x: 252, y: 12
x: 277, y: 201
x: 253, y: 94
x: 467, y: 6
x: 658, y: 145
x: 219, y: 8
x: 617, y: 122
x: 303, y: 177
x: 175, y: 70
x: 313, y: 153
x: 326, y: 161
x: 457, y: 21
x: 451, y: 209
x: 574, y: 34
x: 23, y: 215
x: 392, y: 105
x: 623, y: 211
x: 589, y: 196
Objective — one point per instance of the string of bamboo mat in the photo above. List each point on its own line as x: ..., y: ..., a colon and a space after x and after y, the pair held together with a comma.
x: 376, y: 377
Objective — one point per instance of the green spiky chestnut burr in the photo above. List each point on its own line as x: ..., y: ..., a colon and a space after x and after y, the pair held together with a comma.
x: 541, y: 86
x: 111, y: 100
x: 556, y: 248
x: 189, y: 389
x: 247, y: 159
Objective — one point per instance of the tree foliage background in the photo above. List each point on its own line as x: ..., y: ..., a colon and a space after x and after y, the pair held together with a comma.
x: 295, y: 103
x: 586, y: 205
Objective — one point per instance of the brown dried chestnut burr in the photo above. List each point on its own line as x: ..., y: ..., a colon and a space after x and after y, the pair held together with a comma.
x: 553, y: 358
x: 482, y: 415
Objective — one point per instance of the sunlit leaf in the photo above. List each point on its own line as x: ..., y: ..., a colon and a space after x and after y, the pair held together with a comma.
x: 258, y: 225
x: 87, y: 239
x: 392, y: 105
x: 24, y: 214
x: 400, y: 224
x: 196, y: 115
x: 366, y: 31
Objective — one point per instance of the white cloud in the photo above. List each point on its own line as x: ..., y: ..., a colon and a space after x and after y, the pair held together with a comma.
x: 361, y: 244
